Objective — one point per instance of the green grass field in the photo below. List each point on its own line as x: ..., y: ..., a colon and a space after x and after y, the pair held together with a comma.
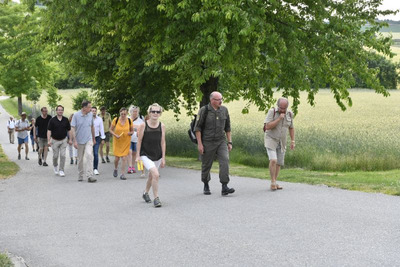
x: 365, y: 137
x: 7, y: 168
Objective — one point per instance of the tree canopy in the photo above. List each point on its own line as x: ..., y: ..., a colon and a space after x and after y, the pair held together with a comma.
x: 24, y: 66
x: 177, y: 51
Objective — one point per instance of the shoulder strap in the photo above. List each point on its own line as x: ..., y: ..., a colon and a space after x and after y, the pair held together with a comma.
x: 203, y: 122
x: 130, y: 122
x: 116, y: 121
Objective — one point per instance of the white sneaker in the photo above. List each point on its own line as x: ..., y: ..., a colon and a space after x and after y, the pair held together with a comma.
x: 61, y: 173
x: 96, y: 172
x: 55, y: 170
x: 143, y: 175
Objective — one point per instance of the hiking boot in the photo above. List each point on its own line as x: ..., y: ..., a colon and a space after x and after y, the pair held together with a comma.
x: 146, y: 197
x: 40, y: 161
x: 122, y: 177
x: 157, y: 202
x: 115, y: 173
x: 19, y: 156
x: 72, y: 161
x: 45, y: 164
x: 206, y: 190
x: 102, y: 160
x: 108, y: 160
x: 92, y: 180
x: 226, y: 190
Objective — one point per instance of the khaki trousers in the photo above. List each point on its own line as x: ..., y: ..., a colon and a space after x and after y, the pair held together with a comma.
x: 214, y: 149
x: 59, y: 149
x: 11, y: 133
x: 85, y: 159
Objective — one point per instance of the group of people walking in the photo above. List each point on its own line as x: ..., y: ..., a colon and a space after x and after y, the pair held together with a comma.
x: 141, y: 141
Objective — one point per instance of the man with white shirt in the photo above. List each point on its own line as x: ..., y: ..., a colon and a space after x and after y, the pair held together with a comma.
x: 22, y: 127
x: 99, y: 136
x: 136, y: 121
x: 11, y: 129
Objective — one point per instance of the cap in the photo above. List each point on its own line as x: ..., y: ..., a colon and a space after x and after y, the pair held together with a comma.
x: 23, y: 113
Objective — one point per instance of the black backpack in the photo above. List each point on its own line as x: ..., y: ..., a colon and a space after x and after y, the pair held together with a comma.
x: 130, y: 122
x: 191, y: 131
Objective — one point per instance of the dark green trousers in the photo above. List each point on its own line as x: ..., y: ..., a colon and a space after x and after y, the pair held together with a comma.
x: 212, y: 149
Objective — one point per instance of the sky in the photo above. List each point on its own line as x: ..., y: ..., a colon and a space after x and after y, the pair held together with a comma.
x: 392, y: 5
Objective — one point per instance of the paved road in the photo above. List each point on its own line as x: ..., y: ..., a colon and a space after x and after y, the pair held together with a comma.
x: 54, y: 221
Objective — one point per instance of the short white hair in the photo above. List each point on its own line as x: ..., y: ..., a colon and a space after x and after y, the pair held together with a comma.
x: 132, y: 108
x: 282, y: 98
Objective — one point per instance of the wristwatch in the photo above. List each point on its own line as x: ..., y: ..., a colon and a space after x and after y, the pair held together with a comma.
x: 230, y: 143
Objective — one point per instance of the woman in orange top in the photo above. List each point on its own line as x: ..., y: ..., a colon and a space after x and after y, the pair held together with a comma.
x: 122, y: 130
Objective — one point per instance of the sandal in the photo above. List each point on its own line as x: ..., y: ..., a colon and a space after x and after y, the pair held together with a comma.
x: 273, y: 186
x: 278, y: 187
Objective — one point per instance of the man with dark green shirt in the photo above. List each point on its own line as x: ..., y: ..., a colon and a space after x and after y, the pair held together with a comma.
x: 213, y: 127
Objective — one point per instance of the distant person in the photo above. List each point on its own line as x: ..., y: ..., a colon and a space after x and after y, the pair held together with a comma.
x: 136, y: 121
x: 106, y: 117
x: 122, y: 130
x: 41, y: 137
x: 213, y: 128
x: 276, y: 126
x: 58, y: 130
x: 151, y: 148
x: 31, y: 135
x: 73, y: 152
x: 22, y: 128
x: 83, y: 137
x: 99, y: 136
x: 11, y: 129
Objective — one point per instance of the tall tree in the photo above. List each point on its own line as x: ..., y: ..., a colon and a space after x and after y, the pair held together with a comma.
x: 24, y: 68
x: 177, y: 51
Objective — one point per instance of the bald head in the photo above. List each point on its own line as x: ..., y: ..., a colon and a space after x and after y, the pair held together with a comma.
x: 216, y: 99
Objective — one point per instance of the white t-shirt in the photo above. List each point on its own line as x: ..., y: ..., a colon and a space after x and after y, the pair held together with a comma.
x: 136, y: 125
x: 11, y: 124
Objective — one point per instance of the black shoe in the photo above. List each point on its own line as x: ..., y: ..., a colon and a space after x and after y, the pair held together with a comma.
x: 26, y: 158
x: 76, y: 162
x: 103, y: 161
x: 45, y: 164
x: 157, y: 202
x: 108, y: 160
x: 72, y: 161
x: 146, y: 197
x: 226, y: 190
x: 19, y: 156
x: 206, y: 190
x: 40, y: 161
x: 122, y: 177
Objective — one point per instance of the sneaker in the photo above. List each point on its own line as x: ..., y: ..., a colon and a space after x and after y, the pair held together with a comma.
x: 157, y: 202
x: 226, y: 190
x: 115, y: 173
x: 92, y: 180
x: 108, y: 160
x: 61, y: 173
x: 102, y: 160
x: 76, y: 162
x: 80, y: 179
x: 122, y: 177
x: 72, y: 161
x: 26, y: 158
x: 96, y: 172
x: 55, y: 170
x: 146, y: 197
x: 143, y: 175
x: 19, y: 156
x: 133, y: 170
x: 130, y: 170
x: 40, y: 161
x: 206, y: 190
x: 45, y: 164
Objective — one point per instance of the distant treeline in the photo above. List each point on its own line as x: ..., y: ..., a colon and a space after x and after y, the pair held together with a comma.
x: 72, y: 81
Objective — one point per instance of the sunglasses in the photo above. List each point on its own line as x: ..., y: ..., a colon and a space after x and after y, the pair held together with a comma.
x: 155, y: 111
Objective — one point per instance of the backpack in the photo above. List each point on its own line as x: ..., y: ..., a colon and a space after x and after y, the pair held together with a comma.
x: 191, y: 131
x: 265, y: 125
x: 129, y: 119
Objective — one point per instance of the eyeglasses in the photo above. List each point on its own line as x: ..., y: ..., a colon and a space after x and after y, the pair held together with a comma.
x: 217, y: 99
x: 155, y: 111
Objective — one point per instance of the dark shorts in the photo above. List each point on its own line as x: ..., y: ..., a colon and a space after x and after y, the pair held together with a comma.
x: 133, y: 146
x: 107, y: 139
x: 23, y: 140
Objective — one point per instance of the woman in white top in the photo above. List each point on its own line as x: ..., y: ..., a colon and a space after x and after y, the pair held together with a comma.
x: 136, y: 121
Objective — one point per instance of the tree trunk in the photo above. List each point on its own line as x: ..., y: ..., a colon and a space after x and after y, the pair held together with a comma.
x: 19, y: 105
x: 207, y: 88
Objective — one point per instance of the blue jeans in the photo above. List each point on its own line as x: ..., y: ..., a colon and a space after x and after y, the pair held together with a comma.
x: 96, y: 153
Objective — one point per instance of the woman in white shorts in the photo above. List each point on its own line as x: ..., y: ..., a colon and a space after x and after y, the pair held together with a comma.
x: 151, y: 150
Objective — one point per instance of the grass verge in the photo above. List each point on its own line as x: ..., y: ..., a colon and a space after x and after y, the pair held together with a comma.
x: 386, y: 182
x: 7, y: 168
x: 5, y: 261
x: 11, y: 106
